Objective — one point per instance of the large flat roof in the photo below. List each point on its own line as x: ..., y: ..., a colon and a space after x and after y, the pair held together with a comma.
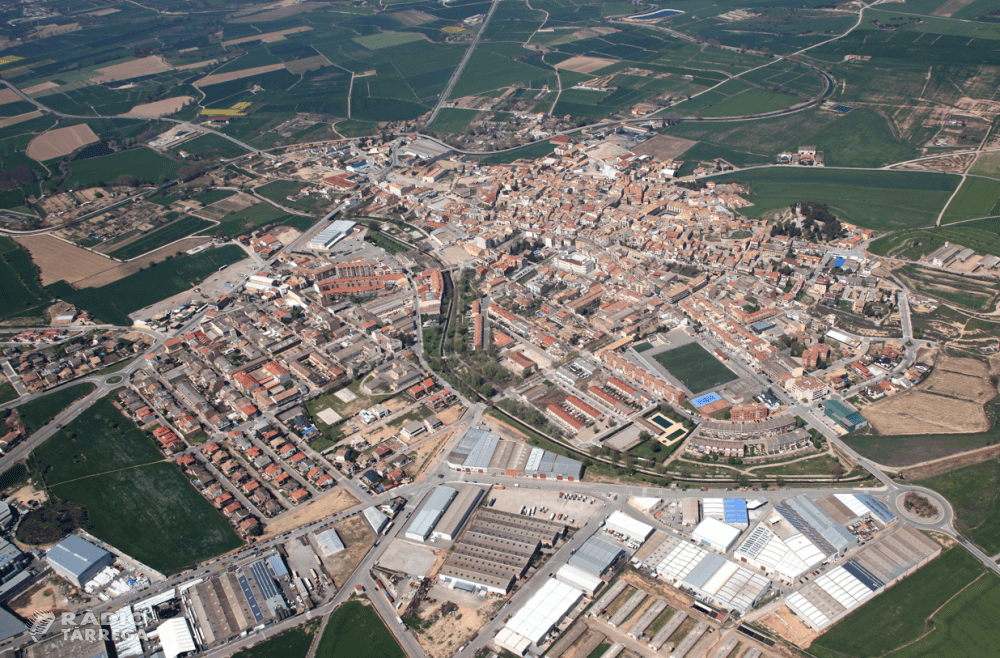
x: 596, y: 555
x: 75, y: 555
x: 544, y: 609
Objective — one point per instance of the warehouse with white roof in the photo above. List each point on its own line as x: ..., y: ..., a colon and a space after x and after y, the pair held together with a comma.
x: 632, y: 529
x: 538, y: 616
x: 786, y: 558
x: 716, y: 535
x: 710, y: 576
x: 577, y: 577
x: 331, y: 235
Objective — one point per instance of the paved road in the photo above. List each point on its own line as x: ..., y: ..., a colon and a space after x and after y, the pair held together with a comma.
x: 461, y: 66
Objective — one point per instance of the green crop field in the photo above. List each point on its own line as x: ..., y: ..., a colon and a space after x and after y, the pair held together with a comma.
x: 161, y: 236
x: 751, y: 101
x: 210, y: 145
x: 979, y: 235
x: 208, y: 197
x: 36, y: 414
x: 290, y: 644
x: 695, y: 367
x: 978, y: 197
x: 898, y: 615
x: 279, y: 191
x: 974, y: 494
x: 454, y: 120
x: 143, y: 163
x: 879, y: 200
x: 135, y: 501
x: 965, y: 627
x: 21, y: 293
x: 248, y: 219
x: 113, y: 302
x: 354, y: 625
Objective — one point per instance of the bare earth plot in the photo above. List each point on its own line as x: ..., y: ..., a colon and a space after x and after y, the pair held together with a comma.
x: 27, y: 116
x: 61, y: 261
x: 8, y: 96
x: 236, y: 75
x: 42, y: 86
x: 663, y: 147
x: 585, y: 64
x: 267, y: 37
x: 950, y: 7
x: 160, y: 108
x: 950, y: 401
x: 411, y: 17
x: 59, y: 142
x: 122, y: 270
x: 358, y: 539
x: 326, y: 505
x: 300, y: 66
x: 134, y: 69
x: 279, y: 13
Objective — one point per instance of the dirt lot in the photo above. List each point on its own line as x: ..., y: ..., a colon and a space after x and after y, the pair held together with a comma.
x: 236, y: 75
x: 452, y: 630
x: 267, y: 37
x: 40, y: 598
x: 584, y: 64
x: 134, y: 69
x: 424, y: 455
x: 336, y: 501
x: 451, y: 415
x: 160, y: 108
x: 60, y: 260
x: 950, y: 401
x: 787, y: 626
x: 124, y: 269
x: 59, y: 142
x: 358, y: 539
x: 950, y: 7
x: 664, y: 147
x: 18, y: 118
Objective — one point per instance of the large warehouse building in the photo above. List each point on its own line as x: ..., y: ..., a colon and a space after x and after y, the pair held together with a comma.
x: 879, y: 565
x: 77, y: 560
x: 480, y: 451
x: 496, y: 549
x: 633, y: 530
x: 716, y: 535
x: 710, y: 576
x: 596, y: 555
x: 804, y: 515
x: 331, y: 235
x: 538, y: 616
x: 430, y: 513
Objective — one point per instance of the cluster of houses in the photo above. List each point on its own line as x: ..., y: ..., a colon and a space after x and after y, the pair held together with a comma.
x: 41, y: 369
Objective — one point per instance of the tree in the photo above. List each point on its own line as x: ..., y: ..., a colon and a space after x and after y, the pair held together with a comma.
x: 836, y: 471
x: 780, y: 481
x: 644, y: 436
x: 744, y: 481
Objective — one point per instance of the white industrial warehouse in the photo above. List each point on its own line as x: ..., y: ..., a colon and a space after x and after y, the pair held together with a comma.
x: 633, y: 530
x: 715, y: 534
x: 538, y: 616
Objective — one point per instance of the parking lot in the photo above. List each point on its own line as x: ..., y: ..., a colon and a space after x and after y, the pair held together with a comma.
x: 575, y: 508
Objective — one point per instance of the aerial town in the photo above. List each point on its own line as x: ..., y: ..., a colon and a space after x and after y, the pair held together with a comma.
x: 481, y: 329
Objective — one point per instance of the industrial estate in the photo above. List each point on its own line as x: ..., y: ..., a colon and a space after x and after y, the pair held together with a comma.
x: 499, y: 328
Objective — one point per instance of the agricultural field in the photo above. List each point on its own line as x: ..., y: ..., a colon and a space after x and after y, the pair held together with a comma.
x: 251, y: 218
x: 695, y: 367
x: 279, y: 191
x: 113, y: 302
x: 102, y: 461
x: 355, y: 624
x: 144, y: 164
x: 161, y: 237
x: 22, y: 296
x: 879, y: 200
x: 898, y: 615
x: 454, y: 120
x: 974, y: 494
x: 39, y: 412
x: 978, y: 197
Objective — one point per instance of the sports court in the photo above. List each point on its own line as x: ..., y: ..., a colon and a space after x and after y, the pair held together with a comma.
x: 695, y: 367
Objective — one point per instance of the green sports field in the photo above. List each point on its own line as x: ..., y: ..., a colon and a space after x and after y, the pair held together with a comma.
x: 135, y: 501
x: 695, y: 367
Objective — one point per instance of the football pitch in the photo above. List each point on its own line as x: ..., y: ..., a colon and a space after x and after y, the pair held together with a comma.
x: 695, y: 367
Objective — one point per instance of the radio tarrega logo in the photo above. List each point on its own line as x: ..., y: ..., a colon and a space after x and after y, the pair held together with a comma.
x: 43, y: 622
